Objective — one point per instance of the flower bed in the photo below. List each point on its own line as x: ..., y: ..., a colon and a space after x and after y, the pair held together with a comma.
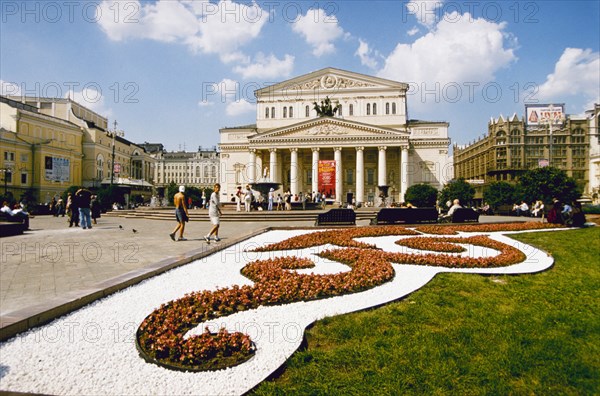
x: 454, y: 229
x: 161, y: 336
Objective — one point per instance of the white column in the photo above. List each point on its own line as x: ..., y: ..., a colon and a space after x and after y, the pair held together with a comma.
x: 403, y: 172
x: 273, y: 165
x: 252, y: 167
x: 315, y: 169
x: 381, y: 167
x: 294, y: 171
x: 360, y: 175
x: 337, y: 156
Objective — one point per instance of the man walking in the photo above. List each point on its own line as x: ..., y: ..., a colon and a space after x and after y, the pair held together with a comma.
x: 181, y: 214
x: 214, y: 213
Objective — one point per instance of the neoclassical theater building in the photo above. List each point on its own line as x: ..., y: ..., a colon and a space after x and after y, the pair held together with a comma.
x: 369, y: 145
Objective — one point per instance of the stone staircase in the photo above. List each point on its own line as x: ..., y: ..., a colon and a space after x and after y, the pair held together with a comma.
x: 231, y: 215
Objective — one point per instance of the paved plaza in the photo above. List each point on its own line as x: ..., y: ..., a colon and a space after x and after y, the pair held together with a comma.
x: 53, y: 269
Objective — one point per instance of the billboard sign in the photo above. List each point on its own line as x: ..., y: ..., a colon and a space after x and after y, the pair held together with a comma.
x: 327, y: 177
x: 57, y: 169
x: 542, y: 163
x: 543, y: 115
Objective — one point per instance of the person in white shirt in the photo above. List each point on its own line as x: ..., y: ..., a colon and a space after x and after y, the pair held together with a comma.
x: 20, y: 215
x: 214, y: 213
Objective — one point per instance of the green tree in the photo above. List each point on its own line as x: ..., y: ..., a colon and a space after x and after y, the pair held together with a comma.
x: 547, y: 183
x: 457, y: 189
x: 421, y: 195
x: 499, y: 193
x: 170, y: 192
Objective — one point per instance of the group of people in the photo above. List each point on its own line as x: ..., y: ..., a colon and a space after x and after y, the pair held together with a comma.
x: 16, y: 214
x: 83, y: 209
x: 568, y: 214
x: 254, y: 200
x: 182, y: 215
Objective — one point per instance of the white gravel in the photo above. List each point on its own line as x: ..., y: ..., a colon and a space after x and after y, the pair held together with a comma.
x: 92, y: 351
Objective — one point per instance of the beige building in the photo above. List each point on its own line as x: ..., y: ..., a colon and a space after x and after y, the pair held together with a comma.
x: 368, y: 144
x: 41, y: 154
x: 594, y: 123
x: 195, y: 169
x: 514, y: 145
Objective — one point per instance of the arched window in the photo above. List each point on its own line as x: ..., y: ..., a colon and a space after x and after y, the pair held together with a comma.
x: 197, y: 171
x: 214, y: 171
x: 393, y: 108
x: 272, y: 112
x: 100, y: 167
x: 291, y: 112
x: 340, y: 111
x: 205, y: 171
x: 351, y: 110
x: 374, y: 108
x: 267, y: 112
x: 307, y: 111
x: 368, y: 108
x: 387, y: 108
x: 284, y: 112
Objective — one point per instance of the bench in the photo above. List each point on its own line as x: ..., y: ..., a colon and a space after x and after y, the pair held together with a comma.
x: 406, y: 215
x: 465, y: 215
x: 11, y: 228
x: 336, y: 217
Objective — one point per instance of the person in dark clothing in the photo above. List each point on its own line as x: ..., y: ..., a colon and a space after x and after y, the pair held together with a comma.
x: 84, y: 199
x: 72, y: 210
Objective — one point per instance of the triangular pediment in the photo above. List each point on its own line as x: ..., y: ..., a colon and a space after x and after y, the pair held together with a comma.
x: 331, y: 80
x: 326, y: 128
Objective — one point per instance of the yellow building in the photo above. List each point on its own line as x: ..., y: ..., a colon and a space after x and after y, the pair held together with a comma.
x: 41, y: 154
x: 513, y: 146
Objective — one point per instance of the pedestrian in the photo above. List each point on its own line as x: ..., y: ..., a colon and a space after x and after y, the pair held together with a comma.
x: 248, y: 198
x: 83, y: 196
x: 238, y: 199
x: 181, y: 214
x: 271, y: 199
x: 96, y: 209
x: 214, y: 213
x: 72, y: 211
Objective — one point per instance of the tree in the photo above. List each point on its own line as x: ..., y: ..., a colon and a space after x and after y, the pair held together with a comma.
x: 421, y: 195
x: 548, y: 183
x: 457, y: 189
x: 171, y: 190
x: 499, y: 193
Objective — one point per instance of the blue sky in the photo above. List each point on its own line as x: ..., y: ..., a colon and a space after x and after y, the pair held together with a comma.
x: 175, y: 72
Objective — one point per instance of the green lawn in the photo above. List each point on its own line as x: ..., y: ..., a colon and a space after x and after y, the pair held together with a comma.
x: 464, y: 334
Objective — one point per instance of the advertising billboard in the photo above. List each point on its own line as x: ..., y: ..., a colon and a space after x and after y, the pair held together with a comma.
x: 543, y: 115
x: 327, y: 177
x: 57, y: 169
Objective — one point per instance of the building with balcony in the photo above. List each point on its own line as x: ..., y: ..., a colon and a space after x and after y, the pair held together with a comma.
x: 514, y: 145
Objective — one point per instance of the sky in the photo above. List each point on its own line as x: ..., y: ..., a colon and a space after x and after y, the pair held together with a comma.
x: 176, y: 71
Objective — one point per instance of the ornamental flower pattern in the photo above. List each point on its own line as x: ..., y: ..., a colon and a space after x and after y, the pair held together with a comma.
x: 161, y: 338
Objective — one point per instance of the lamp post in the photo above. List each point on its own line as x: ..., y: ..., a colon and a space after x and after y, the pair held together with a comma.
x: 113, y: 134
x: 6, y: 171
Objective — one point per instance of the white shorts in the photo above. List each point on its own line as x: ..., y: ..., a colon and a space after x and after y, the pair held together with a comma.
x: 215, y: 220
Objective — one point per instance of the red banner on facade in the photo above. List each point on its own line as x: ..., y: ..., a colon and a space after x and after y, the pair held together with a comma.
x: 327, y: 177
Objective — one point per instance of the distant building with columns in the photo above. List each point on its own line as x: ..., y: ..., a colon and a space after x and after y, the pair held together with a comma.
x: 369, y: 145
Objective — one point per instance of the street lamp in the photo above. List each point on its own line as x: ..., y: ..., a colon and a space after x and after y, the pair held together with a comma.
x: 113, y: 134
x: 6, y: 171
x: 551, y: 118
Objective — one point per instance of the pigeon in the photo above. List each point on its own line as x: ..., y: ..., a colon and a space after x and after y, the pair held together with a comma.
x: 134, y: 230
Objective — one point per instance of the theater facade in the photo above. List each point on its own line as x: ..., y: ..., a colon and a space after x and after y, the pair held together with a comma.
x: 368, y: 147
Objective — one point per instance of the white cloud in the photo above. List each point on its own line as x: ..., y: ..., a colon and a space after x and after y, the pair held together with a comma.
x: 205, y: 103
x: 267, y: 67
x: 214, y: 28
x: 426, y: 11
x: 239, y: 107
x: 413, y: 31
x: 319, y: 30
x: 577, y: 72
x: 366, y: 54
x: 459, y: 49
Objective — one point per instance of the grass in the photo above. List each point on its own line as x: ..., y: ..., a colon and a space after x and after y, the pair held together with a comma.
x: 463, y: 334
